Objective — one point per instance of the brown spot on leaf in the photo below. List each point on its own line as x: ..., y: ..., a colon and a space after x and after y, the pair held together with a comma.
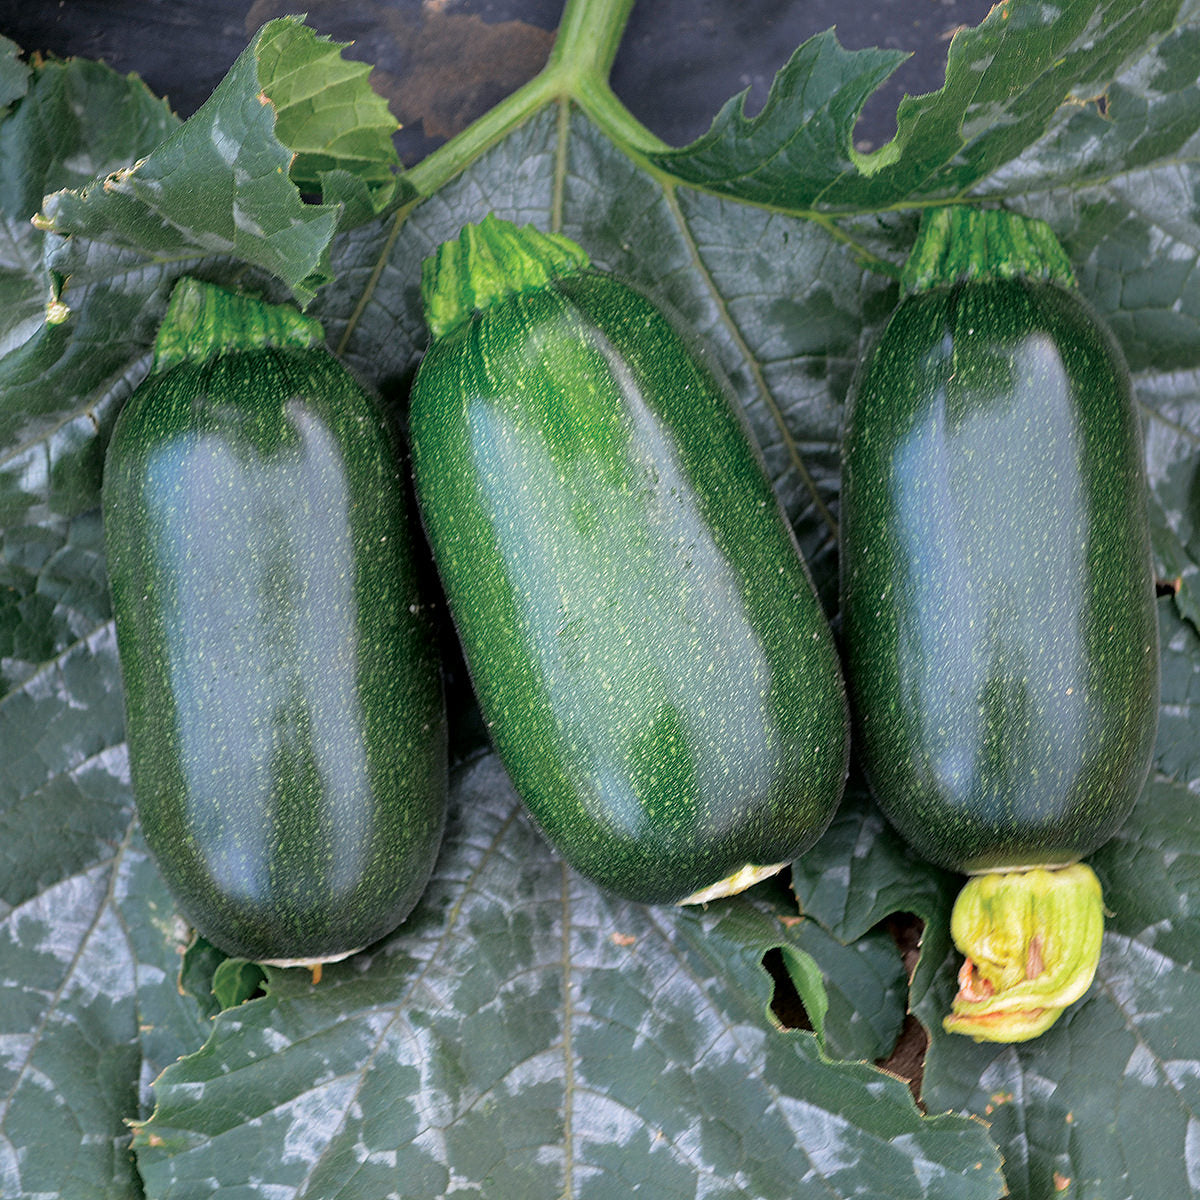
x: 623, y: 939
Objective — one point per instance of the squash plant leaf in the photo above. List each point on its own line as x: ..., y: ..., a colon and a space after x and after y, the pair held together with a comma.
x: 801, y: 144
x: 1105, y: 1103
x: 325, y: 111
x: 91, y: 1015
x: 290, y: 112
x: 65, y: 123
x: 14, y: 74
x: 1006, y: 82
x: 525, y: 1034
x: 531, y: 1036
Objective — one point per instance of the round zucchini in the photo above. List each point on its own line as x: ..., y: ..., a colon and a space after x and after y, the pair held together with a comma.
x: 283, y: 699
x: 645, y: 643
x: 997, y: 589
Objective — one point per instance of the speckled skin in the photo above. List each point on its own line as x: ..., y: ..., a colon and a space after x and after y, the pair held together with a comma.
x: 645, y: 642
x: 283, y: 699
x: 998, y: 595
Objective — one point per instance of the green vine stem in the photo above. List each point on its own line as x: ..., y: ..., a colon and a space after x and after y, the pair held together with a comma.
x: 577, y: 70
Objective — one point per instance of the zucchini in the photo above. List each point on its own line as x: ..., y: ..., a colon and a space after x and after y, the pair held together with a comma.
x: 283, y: 699
x: 645, y: 643
x: 998, y: 600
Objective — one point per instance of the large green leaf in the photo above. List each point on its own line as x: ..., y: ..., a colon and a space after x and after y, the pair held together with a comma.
x: 290, y: 112
x: 527, y: 1035
x: 507, y: 1038
x: 1006, y: 81
x: 73, y: 121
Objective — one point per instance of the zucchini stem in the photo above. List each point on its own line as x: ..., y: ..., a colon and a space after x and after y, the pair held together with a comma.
x: 959, y: 243
x: 204, y: 320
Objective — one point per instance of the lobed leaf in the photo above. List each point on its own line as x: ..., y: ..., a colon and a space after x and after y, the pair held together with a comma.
x: 325, y: 112
x: 800, y: 146
x: 222, y: 185
x: 1005, y: 81
x: 527, y: 1034
x: 505, y: 1039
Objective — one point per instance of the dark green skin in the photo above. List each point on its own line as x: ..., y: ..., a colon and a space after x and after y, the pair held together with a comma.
x: 998, y: 595
x: 283, y: 699
x: 645, y: 643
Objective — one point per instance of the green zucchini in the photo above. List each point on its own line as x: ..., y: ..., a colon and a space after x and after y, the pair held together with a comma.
x: 645, y: 643
x: 283, y: 698
x: 997, y: 588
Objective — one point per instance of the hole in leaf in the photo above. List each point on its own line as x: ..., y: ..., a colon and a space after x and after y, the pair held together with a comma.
x: 1167, y: 587
x: 786, y: 1004
x: 907, y: 1059
x: 906, y: 929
